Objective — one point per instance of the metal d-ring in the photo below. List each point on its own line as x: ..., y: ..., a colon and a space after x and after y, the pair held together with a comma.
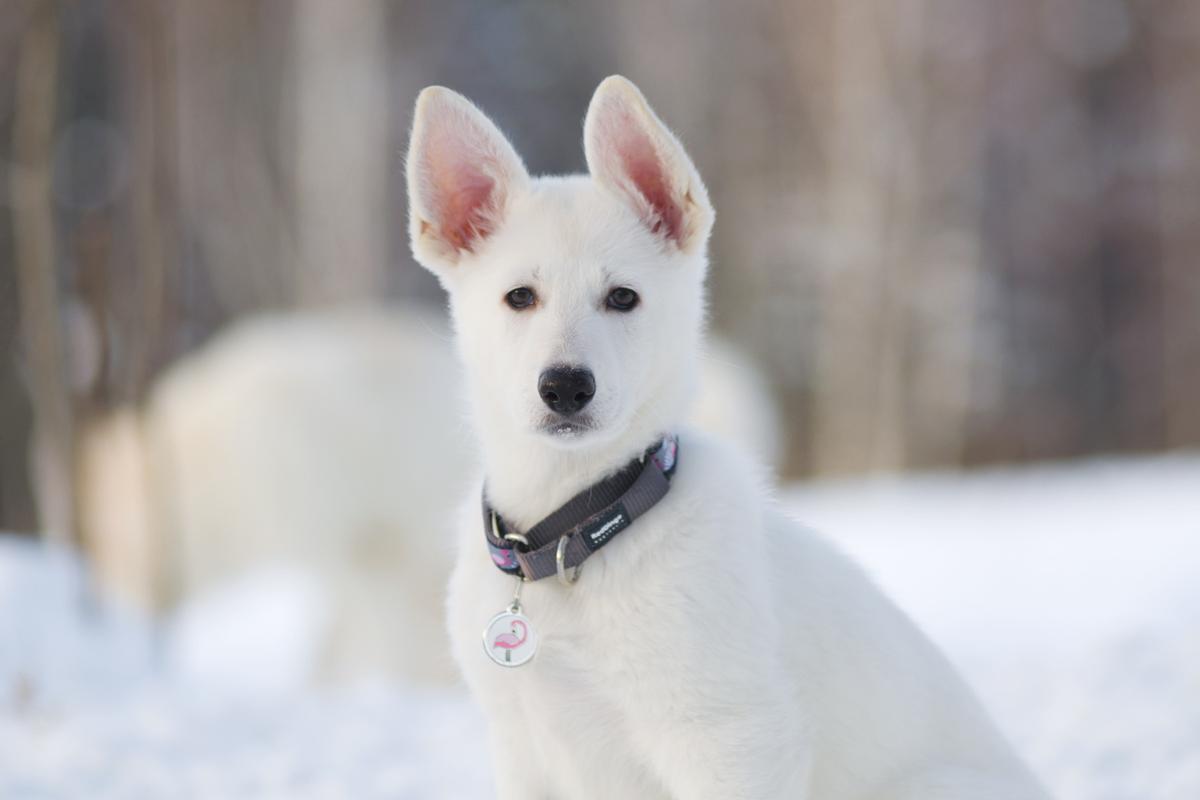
x: 508, y: 537
x: 560, y: 556
x: 516, y: 537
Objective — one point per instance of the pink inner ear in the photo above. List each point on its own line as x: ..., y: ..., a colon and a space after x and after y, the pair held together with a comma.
x: 464, y: 194
x: 467, y: 216
x: 644, y: 169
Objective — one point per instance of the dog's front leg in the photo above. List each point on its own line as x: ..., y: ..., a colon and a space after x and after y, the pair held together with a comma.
x: 700, y: 675
x: 714, y: 742
x: 515, y: 777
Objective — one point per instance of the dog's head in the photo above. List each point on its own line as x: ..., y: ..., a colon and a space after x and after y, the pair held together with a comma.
x: 577, y: 301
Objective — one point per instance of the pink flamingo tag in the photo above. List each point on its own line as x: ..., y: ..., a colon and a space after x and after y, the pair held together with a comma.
x: 509, y: 639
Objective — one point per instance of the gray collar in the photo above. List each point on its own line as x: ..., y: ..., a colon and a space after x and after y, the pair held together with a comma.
x: 588, y: 521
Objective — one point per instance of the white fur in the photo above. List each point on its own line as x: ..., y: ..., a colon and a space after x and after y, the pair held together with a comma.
x: 715, y: 649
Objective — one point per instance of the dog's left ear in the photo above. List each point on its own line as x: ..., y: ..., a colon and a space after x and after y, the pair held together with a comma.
x: 630, y: 150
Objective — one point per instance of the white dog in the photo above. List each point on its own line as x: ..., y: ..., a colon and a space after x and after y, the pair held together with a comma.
x: 712, y: 649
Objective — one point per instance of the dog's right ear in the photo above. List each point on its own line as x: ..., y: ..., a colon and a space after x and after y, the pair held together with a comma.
x: 462, y: 175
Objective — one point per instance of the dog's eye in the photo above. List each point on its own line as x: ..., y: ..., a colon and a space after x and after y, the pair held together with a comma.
x: 622, y: 299
x: 520, y: 297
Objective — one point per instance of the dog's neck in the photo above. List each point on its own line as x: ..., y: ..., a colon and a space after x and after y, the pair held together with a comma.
x: 527, y: 478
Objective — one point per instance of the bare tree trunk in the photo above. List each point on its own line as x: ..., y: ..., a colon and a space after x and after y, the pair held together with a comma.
x: 856, y: 421
x: 154, y: 202
x: 1177, y: 69
x: 121, y: 526
x: 18, y: 509
x: 33, y: 232
x: 943, y: 257
x: 235, y: 200
x: 342, y: 162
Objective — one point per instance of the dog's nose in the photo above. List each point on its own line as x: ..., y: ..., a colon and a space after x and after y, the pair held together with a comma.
x: 566, y: 389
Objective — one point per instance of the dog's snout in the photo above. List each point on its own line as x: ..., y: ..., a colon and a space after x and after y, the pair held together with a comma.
x: 566, y: 389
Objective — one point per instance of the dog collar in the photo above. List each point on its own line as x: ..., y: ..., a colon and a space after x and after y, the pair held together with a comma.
x: 561, y: 542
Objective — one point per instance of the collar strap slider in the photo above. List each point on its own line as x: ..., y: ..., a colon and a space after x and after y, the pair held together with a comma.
x: 561, y: 542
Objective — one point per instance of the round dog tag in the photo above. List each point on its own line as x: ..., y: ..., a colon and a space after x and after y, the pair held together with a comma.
x: 509, y: 639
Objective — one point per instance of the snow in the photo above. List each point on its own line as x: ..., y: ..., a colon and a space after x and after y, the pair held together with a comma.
x: 1069, y: 595
x: 286, y: 601
x: 97, y: 703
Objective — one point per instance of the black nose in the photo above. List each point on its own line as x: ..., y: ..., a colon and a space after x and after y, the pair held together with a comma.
x: 566, y: 389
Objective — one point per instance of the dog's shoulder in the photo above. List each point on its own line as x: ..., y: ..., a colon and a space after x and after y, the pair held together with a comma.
x: 717, y: 484
x: 714, y: 518
x: 708, y: 463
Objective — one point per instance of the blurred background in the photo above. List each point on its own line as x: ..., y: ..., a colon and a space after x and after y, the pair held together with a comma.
x: 951, y: 234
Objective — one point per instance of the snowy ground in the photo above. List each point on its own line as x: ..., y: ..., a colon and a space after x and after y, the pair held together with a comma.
x: 1069, y: 595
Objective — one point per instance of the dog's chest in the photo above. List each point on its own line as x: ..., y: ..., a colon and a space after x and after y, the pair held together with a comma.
x: 583, y: 631
x: 630, y: 597
x: 582, y: 707
x: 561, y: 713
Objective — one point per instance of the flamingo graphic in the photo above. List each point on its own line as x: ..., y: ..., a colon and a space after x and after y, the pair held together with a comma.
x: 510, y: 641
